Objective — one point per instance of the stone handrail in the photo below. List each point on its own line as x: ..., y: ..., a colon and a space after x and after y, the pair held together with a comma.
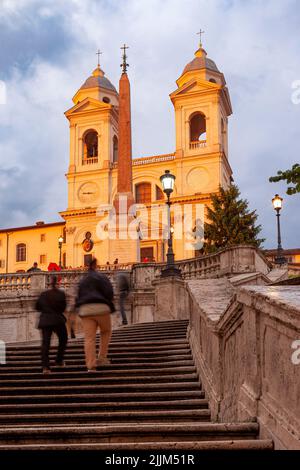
x: 244, y: 347
x: 225, y: 262
x: 11, y: 282
x: 228, y: 261
x: 27, y: 281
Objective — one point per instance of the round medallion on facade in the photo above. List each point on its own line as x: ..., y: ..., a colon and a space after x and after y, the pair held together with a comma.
x: 198, y: 179
x: 88, y: 243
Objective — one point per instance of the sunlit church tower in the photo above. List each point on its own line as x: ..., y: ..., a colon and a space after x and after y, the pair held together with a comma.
x: 93, y: 149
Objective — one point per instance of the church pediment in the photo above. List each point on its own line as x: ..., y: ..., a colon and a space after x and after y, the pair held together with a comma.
x: 195, y: 85
x: 86, y: 105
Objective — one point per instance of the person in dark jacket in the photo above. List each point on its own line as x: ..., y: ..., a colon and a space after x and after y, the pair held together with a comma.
x: 52, y: 304
x: 124, y: 287
x: 95, y: 303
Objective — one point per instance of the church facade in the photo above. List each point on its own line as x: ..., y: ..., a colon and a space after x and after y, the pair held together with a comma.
x: 101, y: 171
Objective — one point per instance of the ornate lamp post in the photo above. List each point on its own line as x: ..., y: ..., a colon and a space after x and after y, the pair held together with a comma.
x: 60, y: 242
x: 277, y: 204
x: 168, y: 181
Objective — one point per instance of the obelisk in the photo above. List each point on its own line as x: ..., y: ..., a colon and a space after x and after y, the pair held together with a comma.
x: 126, y: 246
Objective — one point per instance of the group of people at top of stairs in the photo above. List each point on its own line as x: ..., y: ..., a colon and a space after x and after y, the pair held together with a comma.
x: 93, y: 304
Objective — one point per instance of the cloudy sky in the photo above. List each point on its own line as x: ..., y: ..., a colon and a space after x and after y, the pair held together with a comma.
x: 48, y: 49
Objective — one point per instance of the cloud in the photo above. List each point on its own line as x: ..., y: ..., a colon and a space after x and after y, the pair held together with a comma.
x: 50, y: 50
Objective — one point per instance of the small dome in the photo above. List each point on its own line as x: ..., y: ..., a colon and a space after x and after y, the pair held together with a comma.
x: 97, y: 79
x: 201, y: 61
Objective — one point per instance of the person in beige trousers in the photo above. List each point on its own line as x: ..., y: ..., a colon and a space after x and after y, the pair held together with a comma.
x: 95, y: 304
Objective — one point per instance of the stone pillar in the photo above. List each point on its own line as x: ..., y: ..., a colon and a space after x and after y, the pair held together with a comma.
x: 37, y: 282
x: 171, y: 299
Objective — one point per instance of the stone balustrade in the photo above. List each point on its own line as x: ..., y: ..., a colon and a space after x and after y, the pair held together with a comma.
x: 13, y: 282
x: 18, y: 292
x: 243, y: 342
x: 197, y: 144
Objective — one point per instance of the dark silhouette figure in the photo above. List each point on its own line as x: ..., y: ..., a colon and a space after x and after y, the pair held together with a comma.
x: 52, y: 304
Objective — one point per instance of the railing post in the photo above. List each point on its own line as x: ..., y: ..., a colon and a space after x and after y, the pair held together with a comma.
x: 38, y: 282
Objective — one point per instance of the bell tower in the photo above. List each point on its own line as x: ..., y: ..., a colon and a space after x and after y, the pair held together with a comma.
x: 202, y: 107
x: 93, y: 150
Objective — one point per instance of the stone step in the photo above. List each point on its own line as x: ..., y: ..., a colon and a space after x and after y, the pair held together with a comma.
x: 93, y: 379
x: 107, y: 417
x: 238, y: 445
x: 133, y: 365
x: 134, y: 433
x: 167, y: 337
x: 77, y: 345
x: 126, y: 362
x: 100, y: 405
x: 104, y: 388
x: 120, y: 348
x: 67, y: 373
x: 113, y: 355
x: 104, y: 397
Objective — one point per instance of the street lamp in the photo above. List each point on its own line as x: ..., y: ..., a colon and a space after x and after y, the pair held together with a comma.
x: 60, y: 242
x: 277, y: 204
x: 168, y: 181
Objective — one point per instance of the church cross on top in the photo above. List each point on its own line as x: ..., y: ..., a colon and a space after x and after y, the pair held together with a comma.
x: 124, y: 65
x: 200, y: 34
x: 98, y: 53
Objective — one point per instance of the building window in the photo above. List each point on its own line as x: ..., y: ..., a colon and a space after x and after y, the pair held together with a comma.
x: 64, y: 235
x: 90, y: 147
x: 21, y: 252
x: 43, y: 259
x: 159, y: 194
x: 105, y: 99
x: 43, y: 237
x: 64, y: 260
x: 2, y: 263
x: 115, y: 149
x: 143, y: 193
x: 197, y: 130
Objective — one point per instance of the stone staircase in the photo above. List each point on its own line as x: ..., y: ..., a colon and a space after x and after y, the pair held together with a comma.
x: 150, y: 397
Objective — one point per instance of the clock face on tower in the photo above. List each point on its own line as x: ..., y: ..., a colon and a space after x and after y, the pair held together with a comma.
x: 88, y: 192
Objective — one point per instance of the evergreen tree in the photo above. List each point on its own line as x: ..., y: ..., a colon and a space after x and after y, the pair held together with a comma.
x: 230, y: 222
x: 290, y: 176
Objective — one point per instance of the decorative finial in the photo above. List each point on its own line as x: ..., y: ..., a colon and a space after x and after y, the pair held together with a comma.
x: 200, y: 34
x: 124, y: 65
x: 98, y: 53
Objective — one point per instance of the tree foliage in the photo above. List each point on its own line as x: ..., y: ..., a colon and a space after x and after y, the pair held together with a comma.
x: 230, y: 222
x: 291, y: 176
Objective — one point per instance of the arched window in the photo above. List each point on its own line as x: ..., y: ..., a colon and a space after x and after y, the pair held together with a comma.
x: 159, y: 194
x: 212, y: 80
x: 21, y: 252
x: 90, y: 146
x: 105, y: 99
x: 197, y: 130
x: 115, y: 149
x: 143, y: 193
